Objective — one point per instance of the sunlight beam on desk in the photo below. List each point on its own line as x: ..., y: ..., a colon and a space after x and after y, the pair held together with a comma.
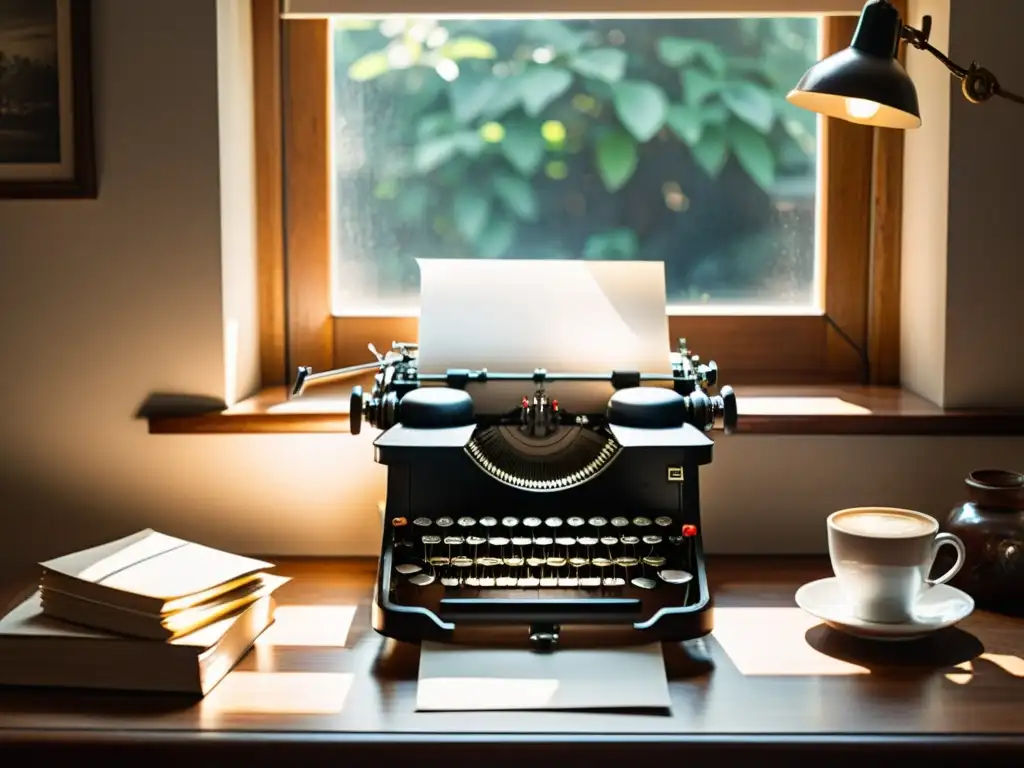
x: 276, y: 693
x: 322, y: 626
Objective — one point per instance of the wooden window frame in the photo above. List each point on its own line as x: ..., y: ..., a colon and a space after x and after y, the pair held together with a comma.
x: 859, y: 225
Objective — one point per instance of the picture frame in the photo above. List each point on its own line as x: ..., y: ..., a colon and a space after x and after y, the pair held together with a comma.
x: 46, y: 129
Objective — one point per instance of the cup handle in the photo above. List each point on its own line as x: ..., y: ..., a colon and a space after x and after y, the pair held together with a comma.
x: 961, y: 555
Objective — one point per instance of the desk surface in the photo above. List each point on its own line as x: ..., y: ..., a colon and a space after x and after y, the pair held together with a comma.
x: 321, y: 677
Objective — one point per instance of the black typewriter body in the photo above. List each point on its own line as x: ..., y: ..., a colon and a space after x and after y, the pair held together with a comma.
x: 540, y: 516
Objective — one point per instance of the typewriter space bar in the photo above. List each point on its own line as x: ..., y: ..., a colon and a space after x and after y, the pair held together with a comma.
x: 514, y: 611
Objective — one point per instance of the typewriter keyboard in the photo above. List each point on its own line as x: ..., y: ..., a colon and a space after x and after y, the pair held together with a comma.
x: 536, y: 553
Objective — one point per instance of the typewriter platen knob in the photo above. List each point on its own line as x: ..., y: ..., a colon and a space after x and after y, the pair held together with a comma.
x: 355, y: 410
x: 726, y: 403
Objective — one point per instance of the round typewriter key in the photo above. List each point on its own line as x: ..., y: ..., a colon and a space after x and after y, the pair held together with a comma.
x: 630, y: 540
x: 601, y: 562
x: 488, y: 522
x: 620, y: 522
x: 467, y: 522
x: 428, y: 540
x: 597, y: 522
x: 532, y: 522
x: 475, y: 541
x: 639, y: 522
x: 614, y: 581
x: 587, y: 541
x: 533, y: 562
x: 652, y: 540
x: 543, y: 541
x: 461, y: 561
x: 675, y: 577
x: 578, y: 562
x: 488, y: 562
x: 655, y: 561
x: 675, y: 540
x: 576, y: 522
x: 644, y: 583
x: 421, y: 579
x: 445, y: 522
x: 557, y: 562
x: 438, y: 560
x: 510, y: 522
x: 399, y: 522
x: 663, y: 522
x: 450, y: 581
x: 453, y: 541
x: 521, y: 541
x: 553, y: 522
x: 565, y: 541
x: 497, y: 541
x: 609, y: 541
x: 514, y: 561
x: 407, y: 569
x: 422, y: 522
x: 627, y: 562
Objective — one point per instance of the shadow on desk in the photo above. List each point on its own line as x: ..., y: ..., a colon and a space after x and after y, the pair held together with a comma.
x: 909, y: 658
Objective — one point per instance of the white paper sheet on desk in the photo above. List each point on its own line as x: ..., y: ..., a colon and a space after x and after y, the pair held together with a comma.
x: 463, y: 678
x: 512, y: 316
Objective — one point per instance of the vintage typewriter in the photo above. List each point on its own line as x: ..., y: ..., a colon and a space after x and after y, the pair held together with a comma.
x: 540, y: 516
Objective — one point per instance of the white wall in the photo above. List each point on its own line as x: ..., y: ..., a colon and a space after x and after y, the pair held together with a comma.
x: 108, y: 301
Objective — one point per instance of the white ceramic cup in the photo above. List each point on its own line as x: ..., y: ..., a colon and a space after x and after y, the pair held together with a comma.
x: 882, y: 557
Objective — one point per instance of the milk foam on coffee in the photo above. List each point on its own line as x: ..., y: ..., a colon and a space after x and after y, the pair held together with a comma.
x: 882, y: 523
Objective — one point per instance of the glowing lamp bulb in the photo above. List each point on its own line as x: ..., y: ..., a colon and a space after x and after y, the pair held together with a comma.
x: 862, y: 109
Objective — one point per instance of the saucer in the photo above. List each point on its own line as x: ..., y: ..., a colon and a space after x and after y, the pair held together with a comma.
x: 939, y: 607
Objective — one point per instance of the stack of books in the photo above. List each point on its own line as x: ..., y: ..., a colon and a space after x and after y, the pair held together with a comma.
x: 146, y: 612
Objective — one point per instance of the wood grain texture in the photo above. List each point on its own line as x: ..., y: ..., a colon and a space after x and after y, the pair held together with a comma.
x: 266, y: 27
x: 764, y: 410
x: 778, y: 686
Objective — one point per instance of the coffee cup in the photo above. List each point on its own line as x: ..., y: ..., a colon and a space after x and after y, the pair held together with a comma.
x: 882, y: 557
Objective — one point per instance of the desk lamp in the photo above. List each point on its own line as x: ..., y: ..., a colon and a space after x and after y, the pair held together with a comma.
x: 866, y: 84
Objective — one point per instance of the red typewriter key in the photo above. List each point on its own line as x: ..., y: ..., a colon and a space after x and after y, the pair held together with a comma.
x: 689, y: 530
x: 398, y: 522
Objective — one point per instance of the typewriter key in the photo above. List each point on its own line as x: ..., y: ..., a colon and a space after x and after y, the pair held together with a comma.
x: 421, y: 579
x: 630, y: 540
x: 422, y: 522
x: 475, y: 541
x: 450, y: 581
x: 639, y: 522
x: 587, y: 541
x: 557, y: 562
x: 521, y: 541
x: 534, y: 562
x: 513, y: 562
x: 488, y: 562
x: 528, y: 582
x: 461, y: 561
x: 614, y: 581
x: 543, y: 541
x: 675, y: 577
x: 655, y: 561
x: 548, y: 581
x: 620, y: 522
x: 472, y: 581
x: 467, y: 522
x: 568, y: 582
x: 398, y: 522
x: 453, y: 541
x: 510, y: 522
x: 532, y: 522
x: 488, y: 522
x: 565, y: 541
x: 438, y: 560
x: 644, y: 583
x: 487, y: 582
x: 627, y: 562
x: 445, y: 522
x: 575, y: 522
x: 553, y: 522
x: 663, y: 522
x: 652, y: 540
x: 497, y: 541
x: 597, y: 522
x: 408, y: 569
x: 505, y: 581
x: 428, y: 540
x: 589, y: 582
x: 601, y: 562
x: 578, y: 562
x: 609, y: 541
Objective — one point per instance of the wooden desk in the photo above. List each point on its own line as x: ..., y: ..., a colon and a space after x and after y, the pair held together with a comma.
x: 781, y: 688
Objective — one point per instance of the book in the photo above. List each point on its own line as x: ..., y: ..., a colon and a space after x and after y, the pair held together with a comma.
x: 40, y: 650
x: 150, y: 573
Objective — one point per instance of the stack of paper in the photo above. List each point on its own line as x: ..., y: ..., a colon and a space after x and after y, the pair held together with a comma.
x: 147, y: 612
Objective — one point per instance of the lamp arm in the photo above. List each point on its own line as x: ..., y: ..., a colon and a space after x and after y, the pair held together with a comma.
x: 978, y: 83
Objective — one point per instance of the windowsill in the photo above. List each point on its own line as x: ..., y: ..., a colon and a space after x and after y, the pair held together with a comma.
x: 803, y: 410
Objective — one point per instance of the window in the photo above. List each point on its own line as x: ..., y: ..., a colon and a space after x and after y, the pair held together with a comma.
x: 661, y: 137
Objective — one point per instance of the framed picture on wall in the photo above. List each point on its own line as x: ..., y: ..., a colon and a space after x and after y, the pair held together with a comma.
x: 46, y: 137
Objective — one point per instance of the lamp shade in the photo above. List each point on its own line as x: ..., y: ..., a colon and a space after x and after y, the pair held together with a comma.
x: 864, y: 83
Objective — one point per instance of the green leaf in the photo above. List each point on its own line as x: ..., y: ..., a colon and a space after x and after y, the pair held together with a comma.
x: 368, y: 67
x: 497, y: 238
x: 712, y: 151
x: 468, y: 48
x: 607, y: 64
x: 436, y: 123
x: 686, y: 122
x: 697, y: 86
x: 434, y: 152
x: 471, y: 211
x: 469, y: 95
x: 518, y: 196
x: 542, y: 85
x: 679, y: 51
x: 750, y: 103
x: 524, y: 146
x: 641, y: 108
x: 553, y: 33
x: 616, y: 159
x: 619, y: 244
x: 505, y: 97
x: 754, y: 154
